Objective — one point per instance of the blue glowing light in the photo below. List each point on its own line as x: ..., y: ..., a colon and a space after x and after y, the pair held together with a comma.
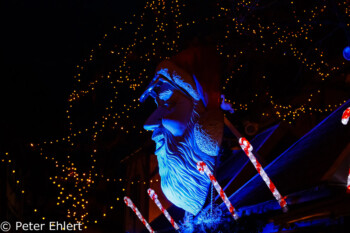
x: 208, y: 220
x: 346, y: 53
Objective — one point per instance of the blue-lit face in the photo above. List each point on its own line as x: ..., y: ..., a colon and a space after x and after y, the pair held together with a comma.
x: 178, y: 136
x: 174, y: 112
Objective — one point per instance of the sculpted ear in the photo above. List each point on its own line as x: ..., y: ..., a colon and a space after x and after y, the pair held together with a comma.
x: 208, y: 130
x: 202, y: 94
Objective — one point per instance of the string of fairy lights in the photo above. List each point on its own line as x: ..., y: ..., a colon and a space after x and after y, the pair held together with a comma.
x: 8, y: 162
x: 83, y: 184
x: 277, y: 38
x: 153, y: 39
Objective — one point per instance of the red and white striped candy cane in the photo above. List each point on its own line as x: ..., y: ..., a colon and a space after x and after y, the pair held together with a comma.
x: 345, y: 120
x: 154, y: 197
x: 349, y: 182
x: 129, y: 203
x: 346, y: 116
x: 203, y: 168
x: 248, y: 148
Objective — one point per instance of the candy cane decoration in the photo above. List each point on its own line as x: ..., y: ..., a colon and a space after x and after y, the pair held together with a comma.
x: 248, y: 148
x: 346, y: 116
x: 203, y: 168
x: 349, y: 181
x: 154, y: 197
x: 345, y: 120
x: 129, y: 203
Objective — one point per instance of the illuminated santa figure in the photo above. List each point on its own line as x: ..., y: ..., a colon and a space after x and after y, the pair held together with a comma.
x: 187, y: 124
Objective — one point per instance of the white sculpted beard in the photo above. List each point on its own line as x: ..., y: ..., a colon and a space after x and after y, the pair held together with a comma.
x: 181, y: 182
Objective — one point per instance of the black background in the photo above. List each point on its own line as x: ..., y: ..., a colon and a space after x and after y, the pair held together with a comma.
x: 42, y: 42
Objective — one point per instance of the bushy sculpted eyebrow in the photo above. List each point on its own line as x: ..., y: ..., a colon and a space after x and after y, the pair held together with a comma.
x: 165, y: 95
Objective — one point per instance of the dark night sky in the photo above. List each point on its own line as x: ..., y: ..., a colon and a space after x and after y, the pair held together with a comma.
x: 43, y: 41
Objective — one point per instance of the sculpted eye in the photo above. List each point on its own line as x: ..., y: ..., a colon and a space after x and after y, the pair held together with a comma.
x: 165, y: 95
x: 169, y: 104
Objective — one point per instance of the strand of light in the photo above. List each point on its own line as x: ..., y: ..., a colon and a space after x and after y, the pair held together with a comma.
x: 248, y: 148
x: 129, y: 203
x: 346, y: 116
x: 97, y: 126
x: 274, y: 36
x: 154, y: 197
x: 19, y: 185
x: 203, y: 168
x: 8, y: 162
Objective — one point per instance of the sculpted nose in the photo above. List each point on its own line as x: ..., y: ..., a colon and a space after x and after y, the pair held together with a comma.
x: 154, y: 120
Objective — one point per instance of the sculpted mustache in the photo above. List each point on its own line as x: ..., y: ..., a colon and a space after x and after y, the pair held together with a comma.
x: 161, y: 131
x: 157, y: 132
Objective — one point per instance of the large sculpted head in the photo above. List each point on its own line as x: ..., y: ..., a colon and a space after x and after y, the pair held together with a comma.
x: 187, y: 125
